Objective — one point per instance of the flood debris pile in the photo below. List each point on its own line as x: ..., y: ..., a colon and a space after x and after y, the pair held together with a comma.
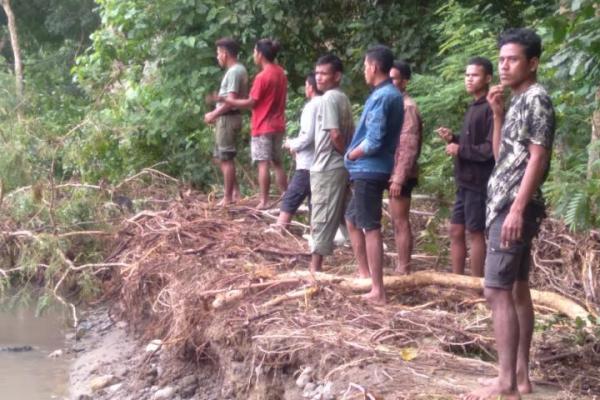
x: 219, y: 287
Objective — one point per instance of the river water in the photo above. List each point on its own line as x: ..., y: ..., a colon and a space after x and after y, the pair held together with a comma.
x: 31, y: 375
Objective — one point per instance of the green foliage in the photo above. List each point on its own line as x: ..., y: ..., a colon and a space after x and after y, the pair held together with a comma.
x: 573, y: 42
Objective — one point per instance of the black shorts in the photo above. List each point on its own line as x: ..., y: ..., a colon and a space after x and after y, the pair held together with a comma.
x: 469, y: 209
x: 408, y: 187
x: 297, y: 191
x: 364, y: 209
x: 505, y: 265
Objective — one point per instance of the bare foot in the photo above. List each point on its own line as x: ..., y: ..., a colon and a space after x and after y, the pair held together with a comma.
x: 524, y: 386
x: 402, y: 270
x: 491, y: 393
x: 262, y: 206
x: 225, y: 202
x: 375, y: 298
x: 362, y: 275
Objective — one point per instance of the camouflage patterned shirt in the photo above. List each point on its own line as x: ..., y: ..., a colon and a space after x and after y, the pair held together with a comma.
x: 530, y: 119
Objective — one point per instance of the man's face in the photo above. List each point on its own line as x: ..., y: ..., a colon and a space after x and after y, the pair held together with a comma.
x: 326, y: 77
x: 222, y: 56
x: 369, y: 71
x: 398, y: 80
x: 307, y: 89
x: 476, y: 80
x: 514, y: 67
x: 256, y: 56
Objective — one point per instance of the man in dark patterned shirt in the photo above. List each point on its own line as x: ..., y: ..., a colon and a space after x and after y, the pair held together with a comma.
x: 522, y: 144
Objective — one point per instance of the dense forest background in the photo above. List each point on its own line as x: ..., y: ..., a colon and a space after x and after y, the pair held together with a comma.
x: 93, y: 92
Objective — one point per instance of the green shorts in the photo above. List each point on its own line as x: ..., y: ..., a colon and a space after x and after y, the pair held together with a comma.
x: 329, y: 194
x: 227, y: 128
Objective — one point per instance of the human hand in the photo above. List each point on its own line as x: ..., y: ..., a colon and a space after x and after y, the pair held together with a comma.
x: 452, y: 149
x: 210, y: 118
x: 512, y: 228
x: 495, y: 99
x: 395, y: 189
x: 444, y: 133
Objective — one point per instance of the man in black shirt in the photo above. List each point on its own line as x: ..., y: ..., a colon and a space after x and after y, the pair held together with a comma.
x: 474, y: 161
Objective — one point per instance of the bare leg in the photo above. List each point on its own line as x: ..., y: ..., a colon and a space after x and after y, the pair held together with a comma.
x: 524, y: 307
x: 458, y: 248
x: 374, y: 243
x: 506, y: 332
x: 228, y: 170
x: 236, y: 189
x: 280, y: 176
x: 477, y: 240
x: 264, y: 182
x: 316, y: 262
x: 399, y: 208
x: 284, y: 218
x: 357, y: 238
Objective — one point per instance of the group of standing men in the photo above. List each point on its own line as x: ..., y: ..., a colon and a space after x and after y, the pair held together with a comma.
x: 501, y: 160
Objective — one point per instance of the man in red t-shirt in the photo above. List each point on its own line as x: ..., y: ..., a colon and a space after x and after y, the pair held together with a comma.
x: 267, y: 101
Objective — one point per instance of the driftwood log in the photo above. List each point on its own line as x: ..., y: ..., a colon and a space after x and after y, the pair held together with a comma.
x: 547, y: 299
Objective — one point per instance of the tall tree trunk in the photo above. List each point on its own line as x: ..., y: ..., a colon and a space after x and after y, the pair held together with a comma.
x: 594, y: 154
x: 14, y: 41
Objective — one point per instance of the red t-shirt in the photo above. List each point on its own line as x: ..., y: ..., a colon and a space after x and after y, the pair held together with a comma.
x: 269, y: 92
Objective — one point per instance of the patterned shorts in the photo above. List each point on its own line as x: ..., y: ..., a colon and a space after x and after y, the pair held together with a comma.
x: 266, y: 147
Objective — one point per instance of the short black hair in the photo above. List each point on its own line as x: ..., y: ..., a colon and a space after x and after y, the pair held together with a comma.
x: 230, y: 45
x: 268, y: 48
x: 312, y: 81
x: 483, y: 62
x: 332, y: 60
x: 404, y: 68
x: 382, y: 56
x: 531, y: 41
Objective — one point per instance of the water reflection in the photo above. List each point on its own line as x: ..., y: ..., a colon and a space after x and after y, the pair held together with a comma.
x: 31, y: 375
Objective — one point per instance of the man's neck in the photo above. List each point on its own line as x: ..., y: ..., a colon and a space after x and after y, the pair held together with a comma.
x: 231, y: 62
x: 264, y: 64
x: 480, y: 94
x: 379, y: 79
x: 523, y: 86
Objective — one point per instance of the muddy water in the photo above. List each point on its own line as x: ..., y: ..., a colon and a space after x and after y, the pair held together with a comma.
x: 31, y: 375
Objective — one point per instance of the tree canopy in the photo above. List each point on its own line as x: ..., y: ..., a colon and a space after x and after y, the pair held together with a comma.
x: 113, y: 86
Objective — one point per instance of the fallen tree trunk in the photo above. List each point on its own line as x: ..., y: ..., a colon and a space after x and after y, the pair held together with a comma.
x: 425, y: 278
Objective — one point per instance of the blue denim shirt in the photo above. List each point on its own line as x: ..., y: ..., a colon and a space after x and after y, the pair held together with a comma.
x: 377, y: 134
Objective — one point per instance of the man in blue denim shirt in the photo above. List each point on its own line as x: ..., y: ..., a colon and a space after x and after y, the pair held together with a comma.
x: 370, y: 160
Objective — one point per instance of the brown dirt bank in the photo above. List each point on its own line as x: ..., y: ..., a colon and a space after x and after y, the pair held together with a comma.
x: 207, y: 282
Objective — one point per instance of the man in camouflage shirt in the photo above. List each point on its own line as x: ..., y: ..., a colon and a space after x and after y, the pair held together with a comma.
x: 522, y: 144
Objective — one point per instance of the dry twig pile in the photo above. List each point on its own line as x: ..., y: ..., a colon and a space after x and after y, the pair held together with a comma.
x: 216, y: 285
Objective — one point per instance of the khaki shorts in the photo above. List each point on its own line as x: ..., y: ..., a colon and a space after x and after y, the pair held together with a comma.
x: 266, y: 147
x: 329, y: 193
x: 227, y: 128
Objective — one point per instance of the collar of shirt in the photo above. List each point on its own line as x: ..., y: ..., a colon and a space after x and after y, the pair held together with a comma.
x: 382, y: 84
x: 481, y: 100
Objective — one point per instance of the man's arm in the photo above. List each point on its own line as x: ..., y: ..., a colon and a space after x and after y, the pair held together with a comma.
x: 407, y: 150
x: 337, y: 140
x: 534, y: 174
x: 211, y: 117
x: 240, y: 103
x: 496, y: 101
x: 307, y: 129
x: 376, y: 130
